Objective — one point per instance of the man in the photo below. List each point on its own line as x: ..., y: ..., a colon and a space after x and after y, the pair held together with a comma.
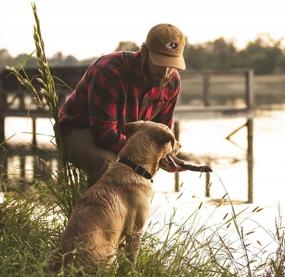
x: 119, y: 88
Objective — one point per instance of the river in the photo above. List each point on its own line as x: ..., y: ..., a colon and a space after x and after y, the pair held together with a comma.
x: 206, y: 138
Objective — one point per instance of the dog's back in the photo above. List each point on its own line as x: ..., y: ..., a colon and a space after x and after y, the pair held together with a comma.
x: 109, y: 209
x: 117, y: 206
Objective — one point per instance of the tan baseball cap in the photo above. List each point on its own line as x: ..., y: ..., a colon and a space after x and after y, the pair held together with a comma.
x: 165, y: 43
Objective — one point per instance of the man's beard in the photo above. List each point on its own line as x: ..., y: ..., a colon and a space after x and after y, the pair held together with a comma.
x: 157, y: 80
x: 161, y: 82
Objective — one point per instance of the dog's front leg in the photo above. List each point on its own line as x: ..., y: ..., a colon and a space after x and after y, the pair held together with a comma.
x: 133, y: 246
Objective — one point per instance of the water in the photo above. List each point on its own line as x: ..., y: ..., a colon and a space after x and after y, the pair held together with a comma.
x: 205, y: 139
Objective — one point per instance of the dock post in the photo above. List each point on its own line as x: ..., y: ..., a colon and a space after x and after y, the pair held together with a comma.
x: 22, y: 168
x: 3, y: 103
x: 250, y: 157
x: 3, y: 156
x: 34, y: 129
x: 208, y: 184
x: 206, y: 86
x: 176, y: 134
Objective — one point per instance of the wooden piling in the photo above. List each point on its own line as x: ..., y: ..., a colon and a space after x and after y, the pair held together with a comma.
x: 34, y: 130
x: 250, y: 106
x: 176, y: 134
x: 22, y: 167
x: 250, y: 160
x: 3, y: 103
x: 249, y: 93
x: 206, y: 86
x: 208, y: 183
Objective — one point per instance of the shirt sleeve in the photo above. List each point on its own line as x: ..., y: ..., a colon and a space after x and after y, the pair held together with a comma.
x: 104, y: 92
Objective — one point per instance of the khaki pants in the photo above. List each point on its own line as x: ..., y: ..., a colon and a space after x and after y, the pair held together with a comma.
x: 83, y: 153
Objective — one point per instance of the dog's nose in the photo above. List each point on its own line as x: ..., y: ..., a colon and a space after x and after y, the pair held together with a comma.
x: 178, y: 145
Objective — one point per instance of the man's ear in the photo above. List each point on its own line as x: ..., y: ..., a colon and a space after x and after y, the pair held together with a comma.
x: 132, y: 127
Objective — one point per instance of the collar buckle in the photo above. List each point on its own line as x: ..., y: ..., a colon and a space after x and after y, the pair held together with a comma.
x: 136, y: 167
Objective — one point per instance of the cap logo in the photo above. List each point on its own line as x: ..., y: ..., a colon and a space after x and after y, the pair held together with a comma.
x: 172, y: 45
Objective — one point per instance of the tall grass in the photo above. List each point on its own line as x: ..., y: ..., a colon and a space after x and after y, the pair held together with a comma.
x: 70, y: 182
x: 30, y: 227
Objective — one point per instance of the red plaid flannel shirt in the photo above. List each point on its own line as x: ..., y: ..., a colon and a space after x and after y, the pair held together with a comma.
x: 115, y: 91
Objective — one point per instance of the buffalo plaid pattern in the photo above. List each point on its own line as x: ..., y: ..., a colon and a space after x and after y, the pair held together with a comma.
x: 114, y: 91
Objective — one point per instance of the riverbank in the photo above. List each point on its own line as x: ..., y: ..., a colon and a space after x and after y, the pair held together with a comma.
x: 183, y: 238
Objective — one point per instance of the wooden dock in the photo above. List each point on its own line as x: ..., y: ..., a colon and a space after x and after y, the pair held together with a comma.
x: 13, y: 103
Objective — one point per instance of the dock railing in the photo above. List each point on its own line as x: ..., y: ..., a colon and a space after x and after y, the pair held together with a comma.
x: 208, y: 111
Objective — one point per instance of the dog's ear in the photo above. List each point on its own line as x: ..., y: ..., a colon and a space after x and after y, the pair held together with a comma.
x: 132, y: 127
x: 162, y: 137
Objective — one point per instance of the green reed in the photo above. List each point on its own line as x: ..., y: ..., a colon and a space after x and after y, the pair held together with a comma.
x: 31, y: 225
x: 70, y: 182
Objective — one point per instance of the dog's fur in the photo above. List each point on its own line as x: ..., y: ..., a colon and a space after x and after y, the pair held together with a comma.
x: 117, y: 206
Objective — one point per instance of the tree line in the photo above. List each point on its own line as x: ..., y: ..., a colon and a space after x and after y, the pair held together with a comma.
x: 264, y: 55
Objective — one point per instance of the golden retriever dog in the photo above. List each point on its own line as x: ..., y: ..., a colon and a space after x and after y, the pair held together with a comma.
x: 116, y: 208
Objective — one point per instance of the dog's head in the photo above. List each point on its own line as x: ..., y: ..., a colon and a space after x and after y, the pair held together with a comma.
x: 151, y: 138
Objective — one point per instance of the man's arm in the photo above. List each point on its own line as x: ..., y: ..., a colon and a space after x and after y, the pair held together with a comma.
x: 104, y: 92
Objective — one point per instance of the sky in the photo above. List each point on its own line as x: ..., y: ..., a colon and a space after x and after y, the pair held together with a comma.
x: 89, y: 28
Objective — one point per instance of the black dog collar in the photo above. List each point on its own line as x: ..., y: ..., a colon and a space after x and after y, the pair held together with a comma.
x: 137, y: 168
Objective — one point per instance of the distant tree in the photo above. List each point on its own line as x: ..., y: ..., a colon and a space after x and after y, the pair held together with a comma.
x: 215, y: 54
x: 5, y: 58
x: 127, y: 46
x: 222, y: 53
x: 195, y: 57
x: 264, y: 55
x: 25, y: 60
x: 70, y: 60
x: 56, y: 59
x: 59, y: 59
x: 87, y: 61
x: 282, y: 64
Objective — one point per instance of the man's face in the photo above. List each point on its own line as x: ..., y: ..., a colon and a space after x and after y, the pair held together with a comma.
x: 160, y: 74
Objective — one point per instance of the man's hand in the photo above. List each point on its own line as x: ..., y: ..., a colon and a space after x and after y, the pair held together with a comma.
x: 174, y: 164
